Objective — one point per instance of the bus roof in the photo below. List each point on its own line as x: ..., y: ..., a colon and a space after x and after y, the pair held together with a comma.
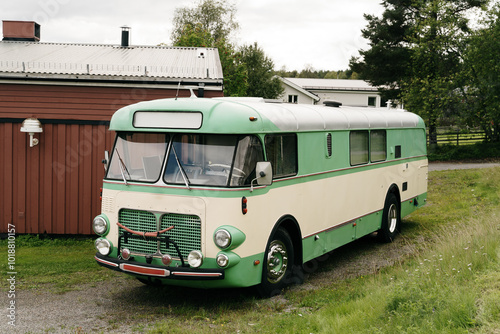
x: 253, y: 115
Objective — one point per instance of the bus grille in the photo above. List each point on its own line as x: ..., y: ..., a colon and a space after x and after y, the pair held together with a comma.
x: 186, y: 232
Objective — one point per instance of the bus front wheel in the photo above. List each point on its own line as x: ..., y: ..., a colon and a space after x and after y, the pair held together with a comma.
x: 391, y: 219
x: 278, y: 264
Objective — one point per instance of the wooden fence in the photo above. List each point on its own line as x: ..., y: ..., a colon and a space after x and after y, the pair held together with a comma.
x: 459, y: 138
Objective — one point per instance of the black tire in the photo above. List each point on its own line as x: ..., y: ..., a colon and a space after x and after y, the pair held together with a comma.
x: 278, y: 268
x: 391, y: 219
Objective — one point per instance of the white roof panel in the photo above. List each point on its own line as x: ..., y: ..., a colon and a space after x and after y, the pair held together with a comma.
x: 297, y: 117
x: 110, y: 60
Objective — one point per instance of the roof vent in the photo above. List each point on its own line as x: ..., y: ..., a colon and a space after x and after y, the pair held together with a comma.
x: 21, y: 31
x: 332, y: 103
x: 125, y: 36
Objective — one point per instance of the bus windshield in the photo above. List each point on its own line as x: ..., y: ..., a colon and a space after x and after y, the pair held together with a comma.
x: 213, y: 160
x: 192, y: 159
x: 137, y: 157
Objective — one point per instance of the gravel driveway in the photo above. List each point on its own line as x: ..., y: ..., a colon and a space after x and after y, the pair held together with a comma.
x: 436, y: 166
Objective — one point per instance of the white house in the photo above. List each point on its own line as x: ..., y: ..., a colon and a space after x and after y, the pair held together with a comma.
x: 316, y: 91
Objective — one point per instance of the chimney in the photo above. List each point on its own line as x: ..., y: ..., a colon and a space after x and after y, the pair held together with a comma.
x: 125, y: 36
x: 21, y: 31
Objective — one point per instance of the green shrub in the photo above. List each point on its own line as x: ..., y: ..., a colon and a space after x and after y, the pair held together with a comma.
x: 479, y: 151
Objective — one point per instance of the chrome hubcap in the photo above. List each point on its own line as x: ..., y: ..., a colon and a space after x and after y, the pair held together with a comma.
x: 392, y: 218
x: 277, y: 261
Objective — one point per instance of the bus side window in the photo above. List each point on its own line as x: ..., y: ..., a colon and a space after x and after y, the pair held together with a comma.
x: 358, y: 147
x: 378, y: 147
x: 281, y: 151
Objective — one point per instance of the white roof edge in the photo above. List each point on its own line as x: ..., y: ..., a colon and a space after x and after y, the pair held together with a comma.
x: 300, y: 89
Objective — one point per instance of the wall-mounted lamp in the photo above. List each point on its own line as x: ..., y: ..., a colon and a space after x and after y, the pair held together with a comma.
x: 32, y: 126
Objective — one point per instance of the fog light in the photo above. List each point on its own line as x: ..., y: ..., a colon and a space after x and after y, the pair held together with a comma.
x: 125, y: 254
x: 166, y: 259
x: 195, y: 259
x: 222, y: 238
x: 222, y: 260
x: 103, y: 246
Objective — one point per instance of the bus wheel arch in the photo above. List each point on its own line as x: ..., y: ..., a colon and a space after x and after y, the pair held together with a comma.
x: 284, y: 248
x: 391, y: 216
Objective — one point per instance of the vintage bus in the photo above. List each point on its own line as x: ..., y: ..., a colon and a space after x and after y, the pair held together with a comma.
x: 230, y: 192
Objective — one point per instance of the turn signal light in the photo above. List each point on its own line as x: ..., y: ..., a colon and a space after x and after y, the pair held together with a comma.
x: 244, y: 201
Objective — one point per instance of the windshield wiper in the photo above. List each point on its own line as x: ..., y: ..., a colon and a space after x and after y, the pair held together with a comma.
x: 183, y: 173
x: 123, y: 168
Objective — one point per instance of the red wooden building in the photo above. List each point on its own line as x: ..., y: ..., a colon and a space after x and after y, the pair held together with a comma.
x: 72, y: 90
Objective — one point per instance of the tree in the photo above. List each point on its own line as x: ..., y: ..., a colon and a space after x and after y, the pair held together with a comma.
x: 210, y: 24
x: 415, y: 53
x: 481, y: 90
x: 215, y: 17
x: 234, y: 69
x: 194, y: 36
x: 385, y: 63
x: 435, y: 61
x: 261, y: 79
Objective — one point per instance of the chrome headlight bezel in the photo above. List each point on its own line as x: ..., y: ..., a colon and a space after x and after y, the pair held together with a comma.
x: 222, y: 260
x: 222, y: 238
x: 100, y: 225
x: 195, y: 258
x: 103, y: 246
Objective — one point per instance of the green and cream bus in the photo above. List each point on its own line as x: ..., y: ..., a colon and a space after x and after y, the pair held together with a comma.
x: 238, y: 192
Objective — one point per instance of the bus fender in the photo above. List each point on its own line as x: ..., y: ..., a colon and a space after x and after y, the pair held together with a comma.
x: 289, y: 223
x: 393, y: 189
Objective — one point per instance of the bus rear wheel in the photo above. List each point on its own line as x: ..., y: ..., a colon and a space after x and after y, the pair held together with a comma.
x: 391, y: 219
x: 278, y: 264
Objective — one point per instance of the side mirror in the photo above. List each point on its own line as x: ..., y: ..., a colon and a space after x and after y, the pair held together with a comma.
x: 105, y: 161
x: 264, y: 173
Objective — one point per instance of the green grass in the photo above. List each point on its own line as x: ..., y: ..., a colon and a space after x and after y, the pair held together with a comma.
x: 449, y: 284
x: 56, y: 264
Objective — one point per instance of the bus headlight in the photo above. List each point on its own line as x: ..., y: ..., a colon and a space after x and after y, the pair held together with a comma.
x: 222, y: 238
x: 222, y: 260
x: 227, y: 259
x: 100, y: 225
x: 195, y: 259
x: 103, y: 246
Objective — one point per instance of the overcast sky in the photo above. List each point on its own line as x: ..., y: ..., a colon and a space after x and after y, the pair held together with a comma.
x: 293, y: 33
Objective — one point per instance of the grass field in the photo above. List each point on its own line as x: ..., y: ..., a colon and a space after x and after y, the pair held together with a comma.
x: 449, y: 283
